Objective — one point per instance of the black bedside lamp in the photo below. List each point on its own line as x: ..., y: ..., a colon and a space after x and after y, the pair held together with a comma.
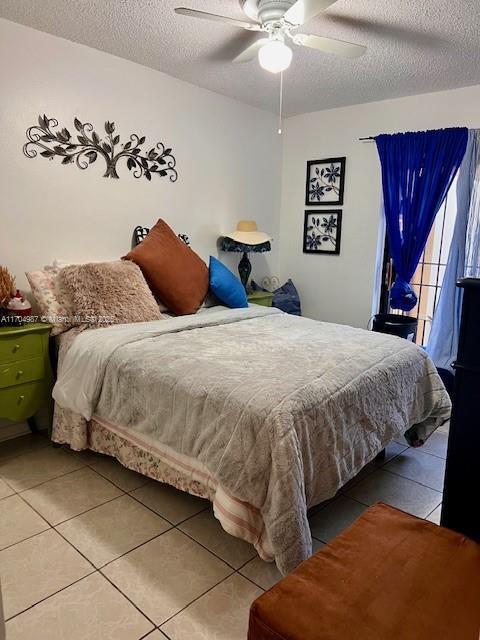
x: 246, y: 239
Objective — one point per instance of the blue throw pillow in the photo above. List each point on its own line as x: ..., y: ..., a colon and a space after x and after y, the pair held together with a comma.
x: 226, y: 286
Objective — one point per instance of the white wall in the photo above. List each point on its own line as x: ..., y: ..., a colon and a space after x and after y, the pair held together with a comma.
x: 340, y: 288
x: 228, y: 157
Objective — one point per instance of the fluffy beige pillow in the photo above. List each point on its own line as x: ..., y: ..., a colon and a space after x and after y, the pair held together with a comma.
x: 102, y: 293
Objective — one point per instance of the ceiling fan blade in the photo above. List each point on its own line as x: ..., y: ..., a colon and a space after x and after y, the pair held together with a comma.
x: 329, y: 45
x: 303, y: 10
x: 252, y: 51
x: 193, y: 13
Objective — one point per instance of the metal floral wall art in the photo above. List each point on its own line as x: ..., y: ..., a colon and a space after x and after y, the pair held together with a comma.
x: 85, y: 146
x: 325, y: 181
x: 322, y: 231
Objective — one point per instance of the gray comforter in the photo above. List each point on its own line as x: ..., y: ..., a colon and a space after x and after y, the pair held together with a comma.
x: 281, y: 410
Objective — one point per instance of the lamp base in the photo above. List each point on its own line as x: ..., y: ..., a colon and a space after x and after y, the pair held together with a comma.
x: 244, y: 269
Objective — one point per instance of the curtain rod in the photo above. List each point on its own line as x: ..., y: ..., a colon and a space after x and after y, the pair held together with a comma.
x: 369, y: 139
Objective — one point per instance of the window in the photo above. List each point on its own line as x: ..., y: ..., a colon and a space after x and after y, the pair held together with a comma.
x: 428, y: 278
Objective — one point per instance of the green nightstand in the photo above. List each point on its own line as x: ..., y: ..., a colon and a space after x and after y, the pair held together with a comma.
x: 261, y: 297
x: 25, y: 372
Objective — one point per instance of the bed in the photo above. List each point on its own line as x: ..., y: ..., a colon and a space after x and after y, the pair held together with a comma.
x: 263, y: 413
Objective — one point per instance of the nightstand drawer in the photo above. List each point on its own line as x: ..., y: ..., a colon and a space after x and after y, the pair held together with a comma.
x: 22, y: 401
x: 20, y: 372
x: 20, y: 347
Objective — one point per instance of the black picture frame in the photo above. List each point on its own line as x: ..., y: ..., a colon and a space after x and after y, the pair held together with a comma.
x: 319, y: 187
x: 322, y: 221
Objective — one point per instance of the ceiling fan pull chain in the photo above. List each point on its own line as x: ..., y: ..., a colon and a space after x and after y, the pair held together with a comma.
x: 281, y: 105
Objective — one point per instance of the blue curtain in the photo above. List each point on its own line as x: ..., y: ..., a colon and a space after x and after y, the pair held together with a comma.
x: 417, y: 171
x: 443, y: 341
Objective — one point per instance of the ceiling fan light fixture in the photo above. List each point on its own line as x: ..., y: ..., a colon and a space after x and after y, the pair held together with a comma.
x: 275, y: 56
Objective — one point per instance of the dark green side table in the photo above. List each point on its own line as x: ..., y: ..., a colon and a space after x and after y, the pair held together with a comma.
x: 25, y: 372
x: 261, y: 297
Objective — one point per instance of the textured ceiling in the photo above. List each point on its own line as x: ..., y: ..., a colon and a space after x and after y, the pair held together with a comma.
x: 414, y: 46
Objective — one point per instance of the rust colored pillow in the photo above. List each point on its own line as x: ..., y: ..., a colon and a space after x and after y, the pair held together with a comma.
x: 175, y: 273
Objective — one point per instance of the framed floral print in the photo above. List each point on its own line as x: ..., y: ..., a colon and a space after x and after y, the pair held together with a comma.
x: 325, y: 181
x: 322, y: 231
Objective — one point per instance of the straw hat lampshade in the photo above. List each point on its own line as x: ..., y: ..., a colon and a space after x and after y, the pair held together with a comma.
x: 246, y: 239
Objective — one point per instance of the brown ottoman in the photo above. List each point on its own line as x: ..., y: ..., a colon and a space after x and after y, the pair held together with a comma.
x: 389, y: 576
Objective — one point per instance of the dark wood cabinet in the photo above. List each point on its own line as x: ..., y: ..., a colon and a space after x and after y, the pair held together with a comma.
x: 461, y: 498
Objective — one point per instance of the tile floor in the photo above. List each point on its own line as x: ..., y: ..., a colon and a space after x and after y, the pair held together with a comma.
x: 92, y: 551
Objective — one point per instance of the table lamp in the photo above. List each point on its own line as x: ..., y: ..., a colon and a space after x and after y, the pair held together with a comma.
x: 246, y: 239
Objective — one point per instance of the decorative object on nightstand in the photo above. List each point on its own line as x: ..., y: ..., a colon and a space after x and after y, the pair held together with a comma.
x: 7, y: 288
x: 19, y: 305
x: 246, y: 239
x: 25, y: 373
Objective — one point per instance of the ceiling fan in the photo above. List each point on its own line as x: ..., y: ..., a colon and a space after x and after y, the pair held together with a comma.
x: 279, y: 20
